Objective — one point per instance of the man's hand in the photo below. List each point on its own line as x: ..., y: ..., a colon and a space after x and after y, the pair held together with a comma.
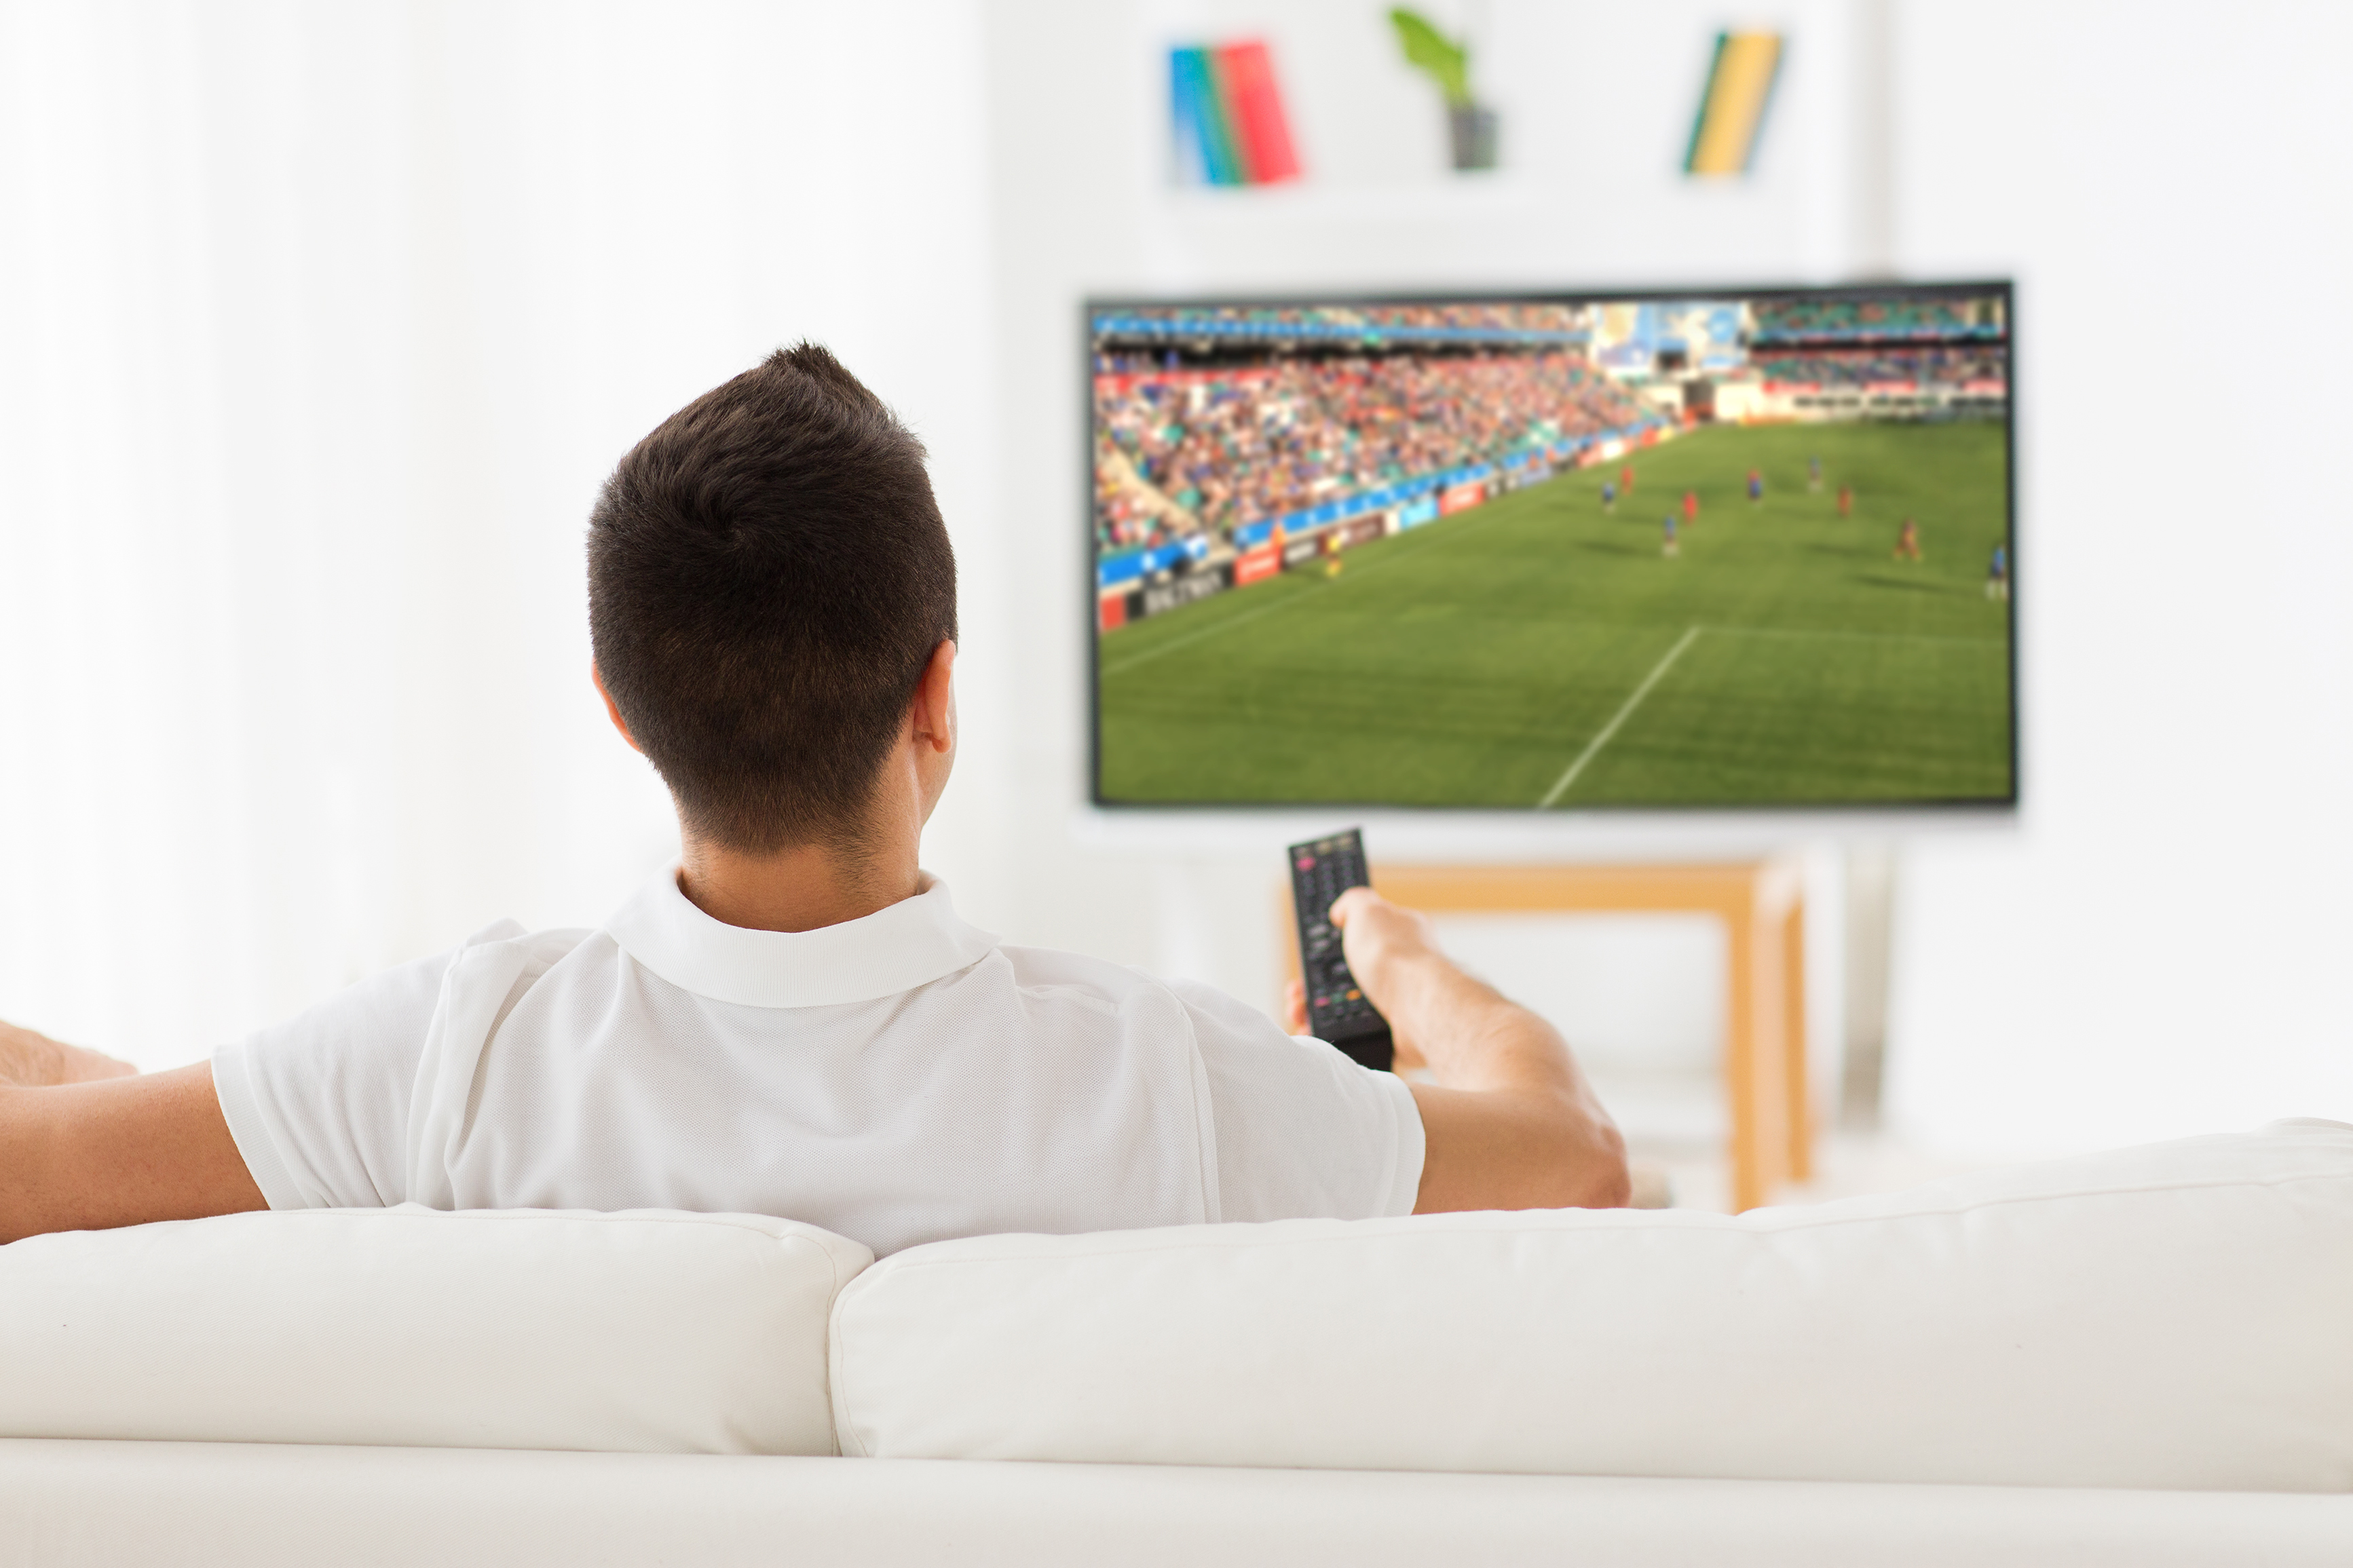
x: 1508, y: 1120
x: 31, y: 1060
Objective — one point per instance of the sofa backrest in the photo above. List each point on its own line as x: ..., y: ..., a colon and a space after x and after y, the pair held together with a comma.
x: 2174, y: 1316
x: 531, y: 1329
x: 2169, y: 1316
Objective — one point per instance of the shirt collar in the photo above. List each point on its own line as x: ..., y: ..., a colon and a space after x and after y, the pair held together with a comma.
x: 909, y: 944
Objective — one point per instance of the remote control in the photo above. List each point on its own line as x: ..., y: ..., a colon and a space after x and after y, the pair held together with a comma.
x: 1338, y: 1011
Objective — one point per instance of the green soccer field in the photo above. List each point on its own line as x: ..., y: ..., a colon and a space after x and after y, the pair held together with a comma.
x: 1535, y: 651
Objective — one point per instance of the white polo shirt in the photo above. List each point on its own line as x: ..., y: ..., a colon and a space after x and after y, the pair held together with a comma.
x: 898, y: 1078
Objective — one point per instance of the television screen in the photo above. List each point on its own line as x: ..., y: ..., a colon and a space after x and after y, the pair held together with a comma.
x: 1733, y: 549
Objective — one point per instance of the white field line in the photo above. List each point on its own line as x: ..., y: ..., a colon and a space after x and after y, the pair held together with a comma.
x: 1625, y: 712
x: 1172, y: 644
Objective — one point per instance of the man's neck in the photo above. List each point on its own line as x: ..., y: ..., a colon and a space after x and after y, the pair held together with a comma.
x: 795, y: 889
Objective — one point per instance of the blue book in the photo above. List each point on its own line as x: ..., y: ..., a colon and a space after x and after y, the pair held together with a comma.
x: 1185, y: 85
x: 1205, y: 145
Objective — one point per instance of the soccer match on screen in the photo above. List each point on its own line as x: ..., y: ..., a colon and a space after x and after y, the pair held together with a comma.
x: 1738, y: 550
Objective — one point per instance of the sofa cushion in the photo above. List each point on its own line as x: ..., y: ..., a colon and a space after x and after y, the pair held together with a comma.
x: 2174, y: 1316
x: 522, y: 1329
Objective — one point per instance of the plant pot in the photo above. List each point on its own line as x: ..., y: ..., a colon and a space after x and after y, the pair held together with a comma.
x: 1471, y: 132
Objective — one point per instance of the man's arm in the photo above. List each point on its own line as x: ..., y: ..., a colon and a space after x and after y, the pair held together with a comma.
x: 1510, y: 1122
x: 87, y: 1144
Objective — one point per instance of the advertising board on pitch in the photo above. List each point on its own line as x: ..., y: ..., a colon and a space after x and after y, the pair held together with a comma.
x: 1301, y: 547
x: 1458, y: 497
x: 1262, y: 561
x: 1162, y: 597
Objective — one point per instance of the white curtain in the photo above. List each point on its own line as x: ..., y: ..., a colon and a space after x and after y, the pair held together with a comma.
x: 319, y: 326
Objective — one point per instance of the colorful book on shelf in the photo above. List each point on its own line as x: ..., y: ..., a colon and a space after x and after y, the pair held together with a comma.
x: 1227, y: 115
x: 1189, y: 99
x: 1248, y: 71
x: 1732, y: 106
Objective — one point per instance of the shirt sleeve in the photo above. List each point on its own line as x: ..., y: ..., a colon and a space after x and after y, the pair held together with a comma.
x: 1303, y: 1131
x: 318, y: 1105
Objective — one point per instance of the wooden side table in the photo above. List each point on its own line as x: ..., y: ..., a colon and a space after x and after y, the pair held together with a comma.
x: 1762, y: 905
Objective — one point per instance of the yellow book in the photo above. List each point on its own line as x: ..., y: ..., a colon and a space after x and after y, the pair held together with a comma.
x: 1731, y: 109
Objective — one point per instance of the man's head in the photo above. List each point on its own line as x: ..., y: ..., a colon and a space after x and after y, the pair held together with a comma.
x: 768, y: 579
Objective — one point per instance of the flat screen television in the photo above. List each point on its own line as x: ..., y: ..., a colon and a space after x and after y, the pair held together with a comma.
x: 1727, y: 548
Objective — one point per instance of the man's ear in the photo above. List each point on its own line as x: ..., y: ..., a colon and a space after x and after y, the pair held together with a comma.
x: 613, y: 709
x: 932, y: 716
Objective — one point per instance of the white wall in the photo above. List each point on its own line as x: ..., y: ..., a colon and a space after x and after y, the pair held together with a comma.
x: 2162, y: 948
x: 319, y: 325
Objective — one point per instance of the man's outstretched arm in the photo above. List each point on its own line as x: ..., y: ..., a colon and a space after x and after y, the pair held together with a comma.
x: 85, y: 1144
x: 1509, y: 1123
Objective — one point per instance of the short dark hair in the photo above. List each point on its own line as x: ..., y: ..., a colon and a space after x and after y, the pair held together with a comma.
x: 768, y: 575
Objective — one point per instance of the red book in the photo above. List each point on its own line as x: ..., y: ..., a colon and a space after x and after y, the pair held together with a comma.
x: 1254, y: 108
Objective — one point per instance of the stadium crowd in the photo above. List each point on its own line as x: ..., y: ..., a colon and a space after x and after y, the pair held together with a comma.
x: 1231, y: 447
x: 1496, y: 317
x: 1864, y: 367
x: 1867, y: 318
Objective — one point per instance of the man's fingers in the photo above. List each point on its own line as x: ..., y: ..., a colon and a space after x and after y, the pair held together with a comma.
x: 31, y: 1059
x: 1350, y: 902
x: 83, y: 1065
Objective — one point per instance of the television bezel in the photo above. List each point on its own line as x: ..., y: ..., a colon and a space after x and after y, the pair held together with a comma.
x: 1658, y: 820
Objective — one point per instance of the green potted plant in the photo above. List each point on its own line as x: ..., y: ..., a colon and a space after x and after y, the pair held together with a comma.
x: 1471, y: 125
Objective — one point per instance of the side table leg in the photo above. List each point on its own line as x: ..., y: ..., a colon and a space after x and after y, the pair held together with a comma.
x: 1799, y: 1100
x: 1744, y: 1082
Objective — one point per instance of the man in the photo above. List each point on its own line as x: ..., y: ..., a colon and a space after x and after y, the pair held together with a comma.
x: 1756, y: 486
x: 791, y: 1020
x: 1668, y: 544
x: 1998, y: 574
x: 1691, y: 508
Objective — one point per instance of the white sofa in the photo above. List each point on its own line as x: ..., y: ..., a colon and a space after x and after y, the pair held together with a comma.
x: 2143, y: 1357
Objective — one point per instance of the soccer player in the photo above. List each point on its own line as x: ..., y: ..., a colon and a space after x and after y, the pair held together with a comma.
x: 1998, y: 574
x: 1691, y: 508
x: 1814, y: 475
x: 1670, y: 545
x: 1907, y: 542
x: 1846, y: 500
x: 1609, y: 498
x: 1756, y: 487
x: 1626, y: 480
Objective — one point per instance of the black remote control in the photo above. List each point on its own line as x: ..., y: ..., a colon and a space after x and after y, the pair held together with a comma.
x: 1338, y: 1011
